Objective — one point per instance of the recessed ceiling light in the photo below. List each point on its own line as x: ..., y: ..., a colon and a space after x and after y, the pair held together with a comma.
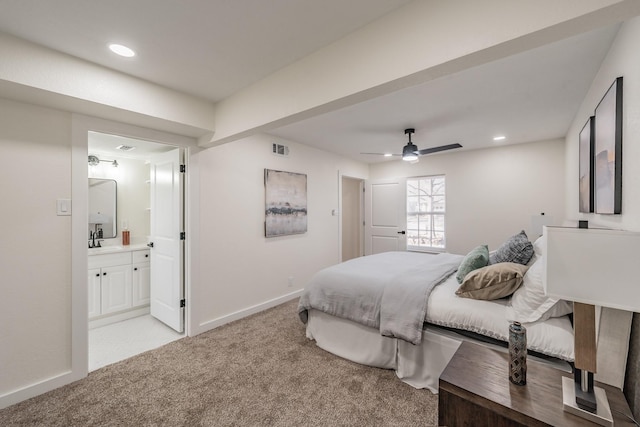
x: 499, y: 138
x: 122, y: 50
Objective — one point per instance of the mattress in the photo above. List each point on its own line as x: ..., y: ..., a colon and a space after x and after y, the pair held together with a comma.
x: 553, y: 337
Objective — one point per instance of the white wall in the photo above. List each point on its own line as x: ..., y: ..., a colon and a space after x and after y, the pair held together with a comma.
x: 238, y: 267
x: 43, y: 257
x: 132, y: 176
x: 35, y: 245
x: 491, y: 193
x: 622, y: 60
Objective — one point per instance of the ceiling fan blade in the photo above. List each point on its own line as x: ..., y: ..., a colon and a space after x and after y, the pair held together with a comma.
x: 440, y: 148
x: 383, y: 154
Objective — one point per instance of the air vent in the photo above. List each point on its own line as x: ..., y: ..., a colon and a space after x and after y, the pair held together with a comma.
x: 280, y: 150
x: 125, y: 147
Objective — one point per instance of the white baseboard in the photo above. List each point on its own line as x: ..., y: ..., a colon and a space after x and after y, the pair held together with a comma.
x: 107, y: 320
x: 212, y: 324
x: 36, y: 389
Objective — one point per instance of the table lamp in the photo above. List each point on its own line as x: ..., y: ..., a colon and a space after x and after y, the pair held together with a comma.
x: 590, y: 267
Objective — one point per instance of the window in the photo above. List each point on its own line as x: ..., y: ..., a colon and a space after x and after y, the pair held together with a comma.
x: 425, y: 213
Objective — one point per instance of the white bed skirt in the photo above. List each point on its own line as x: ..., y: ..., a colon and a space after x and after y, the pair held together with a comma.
x: 419, y: 366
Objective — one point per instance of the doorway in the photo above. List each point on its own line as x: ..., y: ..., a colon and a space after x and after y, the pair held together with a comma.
x: 136, y: 305
x: 352, y: 218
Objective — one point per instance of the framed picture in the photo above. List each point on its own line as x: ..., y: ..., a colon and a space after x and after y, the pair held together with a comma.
x: 286, y: 203
x: 586, y: 169
x: 608, y: 151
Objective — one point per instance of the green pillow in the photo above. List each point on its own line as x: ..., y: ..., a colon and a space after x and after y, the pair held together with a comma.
x: 477, y: 258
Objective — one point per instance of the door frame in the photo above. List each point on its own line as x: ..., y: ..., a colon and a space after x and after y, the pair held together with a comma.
x: 81, y: 125
x: 361, y: 182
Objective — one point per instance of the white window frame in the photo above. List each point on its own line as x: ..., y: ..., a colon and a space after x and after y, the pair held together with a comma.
x: 432, y: 214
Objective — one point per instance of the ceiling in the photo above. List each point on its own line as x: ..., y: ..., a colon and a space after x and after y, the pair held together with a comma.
x: 206, y: 48
x: 213, y: 48
x: 531, y: 96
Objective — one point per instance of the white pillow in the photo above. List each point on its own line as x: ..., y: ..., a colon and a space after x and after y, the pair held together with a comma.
x: 529, y: 303
x: 538, y: 246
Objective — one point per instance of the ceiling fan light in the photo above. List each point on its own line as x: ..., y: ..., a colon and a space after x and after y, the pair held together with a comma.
x: 409, y: 152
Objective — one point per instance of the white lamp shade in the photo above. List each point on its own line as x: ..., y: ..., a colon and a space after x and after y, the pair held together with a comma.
x: 593, y: 266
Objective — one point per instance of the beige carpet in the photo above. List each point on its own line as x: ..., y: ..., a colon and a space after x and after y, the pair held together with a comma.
x: 258, y: 371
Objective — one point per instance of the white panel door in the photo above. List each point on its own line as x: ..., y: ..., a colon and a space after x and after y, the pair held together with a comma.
x: 167, y: 284
x: 385, y: 213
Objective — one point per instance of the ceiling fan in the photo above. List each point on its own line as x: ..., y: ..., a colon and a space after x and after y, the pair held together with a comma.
x: 410, y: 151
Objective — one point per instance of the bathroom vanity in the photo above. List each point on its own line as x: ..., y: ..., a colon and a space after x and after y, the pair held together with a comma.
x: 118, y: 282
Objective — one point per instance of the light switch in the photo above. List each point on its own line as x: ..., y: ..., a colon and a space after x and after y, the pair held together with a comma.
x: 63, y: 207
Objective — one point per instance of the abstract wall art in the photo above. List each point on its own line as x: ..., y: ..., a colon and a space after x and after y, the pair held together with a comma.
x: 608, y: 151
x: 286, y: 203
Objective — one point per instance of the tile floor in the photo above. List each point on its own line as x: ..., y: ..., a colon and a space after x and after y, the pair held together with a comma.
x: 118, y: 341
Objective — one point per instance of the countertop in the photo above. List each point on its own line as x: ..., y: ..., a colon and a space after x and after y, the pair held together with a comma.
x: 110, y: 249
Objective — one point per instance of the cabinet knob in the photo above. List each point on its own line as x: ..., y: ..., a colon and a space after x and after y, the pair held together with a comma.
x: 146, y: 255
x: 135, y: 269
x: 97, y: 274
x: 104, y: 274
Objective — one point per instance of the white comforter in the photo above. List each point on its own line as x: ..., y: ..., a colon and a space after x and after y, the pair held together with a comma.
x: 553, y: 337
x: 388, y: 291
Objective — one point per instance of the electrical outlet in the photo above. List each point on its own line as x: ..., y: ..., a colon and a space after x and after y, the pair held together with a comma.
x: 290, y: 281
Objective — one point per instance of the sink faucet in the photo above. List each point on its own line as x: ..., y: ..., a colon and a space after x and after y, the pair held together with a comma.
x: 92, y: 242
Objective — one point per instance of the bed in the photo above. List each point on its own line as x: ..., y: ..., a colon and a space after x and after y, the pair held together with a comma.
x: 350, y: 311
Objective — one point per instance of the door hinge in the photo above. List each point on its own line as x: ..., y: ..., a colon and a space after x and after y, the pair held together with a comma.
x: 183, y: 168
x: 183, y: 236
x: 182, y: 303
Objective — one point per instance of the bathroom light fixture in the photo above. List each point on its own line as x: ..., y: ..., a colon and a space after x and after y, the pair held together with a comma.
x: 122, y: 50
x: 499, y: 138
x: 95, y: 161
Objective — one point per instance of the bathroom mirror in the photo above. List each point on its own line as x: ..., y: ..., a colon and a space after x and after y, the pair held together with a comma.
x: 102, y: 208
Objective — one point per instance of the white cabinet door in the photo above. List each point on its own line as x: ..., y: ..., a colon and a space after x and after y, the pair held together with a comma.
x: 116, y: 288
x: 141, y: 282
x: 94, y: 292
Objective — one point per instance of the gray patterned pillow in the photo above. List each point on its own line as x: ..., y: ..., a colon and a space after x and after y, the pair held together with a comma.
x: 516, y: 249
